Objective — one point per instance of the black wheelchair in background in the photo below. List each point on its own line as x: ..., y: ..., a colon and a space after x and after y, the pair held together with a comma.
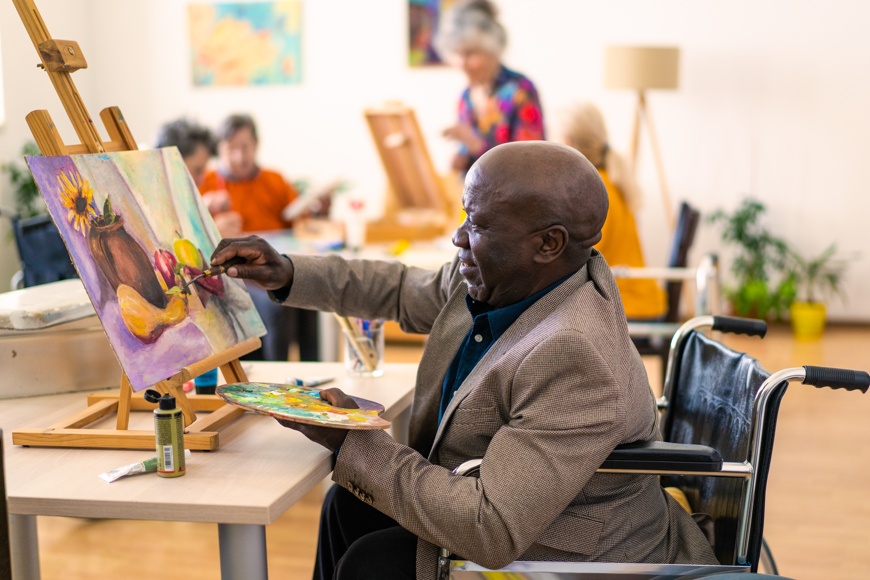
x: 44, y: 257
x: 718, y: 424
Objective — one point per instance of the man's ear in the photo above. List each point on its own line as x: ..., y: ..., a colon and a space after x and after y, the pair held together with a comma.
x: 553, y: 242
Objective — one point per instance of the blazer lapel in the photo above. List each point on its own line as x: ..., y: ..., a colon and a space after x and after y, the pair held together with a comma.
x: 443, y: 343
x: 512, y: 336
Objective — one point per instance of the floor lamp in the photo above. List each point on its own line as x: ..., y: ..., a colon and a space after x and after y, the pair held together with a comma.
x: 640, y: 68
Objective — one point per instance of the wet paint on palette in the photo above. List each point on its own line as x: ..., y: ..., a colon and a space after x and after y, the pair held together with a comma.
x: 302, y: 405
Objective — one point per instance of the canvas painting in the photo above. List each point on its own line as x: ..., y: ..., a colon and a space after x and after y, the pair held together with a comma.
x: 138, y: 233
x: 423, y: 17
x: 245, y: 43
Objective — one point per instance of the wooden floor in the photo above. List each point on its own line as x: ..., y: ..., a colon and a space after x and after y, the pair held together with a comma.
x: 818, y: 512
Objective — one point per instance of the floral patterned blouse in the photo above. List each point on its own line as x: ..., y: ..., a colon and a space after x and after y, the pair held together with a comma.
x: 514, y: 113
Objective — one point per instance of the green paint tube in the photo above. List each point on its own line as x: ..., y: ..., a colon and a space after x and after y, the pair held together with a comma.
x: 147, y: 466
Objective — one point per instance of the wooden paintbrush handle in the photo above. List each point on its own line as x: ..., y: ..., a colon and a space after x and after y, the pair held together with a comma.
x: 366, y: 355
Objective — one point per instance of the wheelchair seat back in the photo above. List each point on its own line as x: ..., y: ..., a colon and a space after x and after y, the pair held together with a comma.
x: 712, y: 401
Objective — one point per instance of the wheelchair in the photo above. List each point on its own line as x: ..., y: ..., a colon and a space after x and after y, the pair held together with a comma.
x: 44, y: 257
x: 718, y: 424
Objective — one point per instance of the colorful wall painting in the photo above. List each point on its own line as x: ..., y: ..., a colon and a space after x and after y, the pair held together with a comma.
x: 245, y: 44
x: 302, y: 405
x: 138, y: 231
x: 423, y: 17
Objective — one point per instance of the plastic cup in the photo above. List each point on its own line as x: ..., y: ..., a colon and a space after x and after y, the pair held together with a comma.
x: 364, y: 347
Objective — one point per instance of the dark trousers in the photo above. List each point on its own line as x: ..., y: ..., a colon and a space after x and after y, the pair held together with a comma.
x: 283, y: 325
x: 357, y: 542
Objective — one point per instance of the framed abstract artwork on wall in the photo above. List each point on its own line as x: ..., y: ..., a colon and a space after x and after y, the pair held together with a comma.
x: 423, y: 19
x: 245, y: 43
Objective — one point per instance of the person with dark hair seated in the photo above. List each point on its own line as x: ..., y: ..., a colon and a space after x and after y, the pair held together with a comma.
x: 195, y: 143
x: 528, y: 365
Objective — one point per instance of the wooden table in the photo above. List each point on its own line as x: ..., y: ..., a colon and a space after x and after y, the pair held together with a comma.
x: 260, y: 470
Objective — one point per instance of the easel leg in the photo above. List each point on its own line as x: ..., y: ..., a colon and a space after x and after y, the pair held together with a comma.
x: 233, y: 372
x: 243, y: 552
x: 124, y: 397
x: 182, y: 401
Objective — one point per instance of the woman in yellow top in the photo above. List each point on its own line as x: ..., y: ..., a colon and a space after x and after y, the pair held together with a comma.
x: 620, y: 244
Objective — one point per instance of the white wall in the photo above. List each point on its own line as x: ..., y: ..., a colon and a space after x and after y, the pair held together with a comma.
x: 771, y: 103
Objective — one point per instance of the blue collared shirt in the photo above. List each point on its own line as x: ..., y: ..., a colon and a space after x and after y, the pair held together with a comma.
x: 488, y: 325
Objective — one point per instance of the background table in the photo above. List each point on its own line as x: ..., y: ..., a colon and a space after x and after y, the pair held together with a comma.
x: 258, y: 472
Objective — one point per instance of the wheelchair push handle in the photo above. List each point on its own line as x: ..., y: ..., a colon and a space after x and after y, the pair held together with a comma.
x: 837, y: 378
x: 734, y: 325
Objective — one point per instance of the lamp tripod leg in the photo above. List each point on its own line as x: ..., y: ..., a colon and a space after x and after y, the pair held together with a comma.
x: 635, y: 132
x: 660, y: 167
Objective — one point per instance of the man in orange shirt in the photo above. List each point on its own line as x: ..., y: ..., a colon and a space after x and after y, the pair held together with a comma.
x: 244, y: 198
x: 257, y: 196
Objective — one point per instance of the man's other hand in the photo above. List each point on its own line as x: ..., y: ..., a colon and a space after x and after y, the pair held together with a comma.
x: 329, y: 437
x: 217, y: 201
x: 262, y: 264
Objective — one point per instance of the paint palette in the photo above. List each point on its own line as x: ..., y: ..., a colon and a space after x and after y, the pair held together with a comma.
x: 302, y: 405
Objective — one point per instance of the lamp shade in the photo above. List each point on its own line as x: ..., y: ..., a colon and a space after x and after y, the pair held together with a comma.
x: 641, y: 67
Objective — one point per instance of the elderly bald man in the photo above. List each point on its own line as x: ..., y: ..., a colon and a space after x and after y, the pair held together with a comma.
x: 528, y: 365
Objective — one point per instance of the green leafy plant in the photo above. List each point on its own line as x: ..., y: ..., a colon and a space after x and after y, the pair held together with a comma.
x: 28, y: 202
x: 764, y: 280
x: 819, y: 277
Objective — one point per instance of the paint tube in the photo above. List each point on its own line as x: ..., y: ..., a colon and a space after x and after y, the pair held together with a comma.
x: 147, y: 466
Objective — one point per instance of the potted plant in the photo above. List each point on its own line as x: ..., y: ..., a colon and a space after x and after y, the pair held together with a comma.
x: 43, y: 256
x: 764, y: 286
x: 815, y: 278
x: 28, y: 202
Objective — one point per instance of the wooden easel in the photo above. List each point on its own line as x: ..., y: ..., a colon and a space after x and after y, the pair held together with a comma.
x: 418, y: 203
x: 60, y: 58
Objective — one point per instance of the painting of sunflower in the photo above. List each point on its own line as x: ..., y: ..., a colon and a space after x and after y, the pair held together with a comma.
x: 77, y: 196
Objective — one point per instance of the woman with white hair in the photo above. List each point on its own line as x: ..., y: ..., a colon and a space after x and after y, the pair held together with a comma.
x: 620, y: 243
x: 499, y: 105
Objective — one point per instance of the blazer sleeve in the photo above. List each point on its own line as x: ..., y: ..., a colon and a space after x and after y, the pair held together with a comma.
x: 567, y: 413
x: 372, y: 289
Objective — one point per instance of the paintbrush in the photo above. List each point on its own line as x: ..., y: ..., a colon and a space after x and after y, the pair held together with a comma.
x: 215, y: 271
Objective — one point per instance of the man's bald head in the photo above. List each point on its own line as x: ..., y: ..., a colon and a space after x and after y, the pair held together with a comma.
x: 545, y: 184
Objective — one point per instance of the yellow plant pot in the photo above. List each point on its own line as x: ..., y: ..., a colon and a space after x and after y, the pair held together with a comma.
x: 808, y: 320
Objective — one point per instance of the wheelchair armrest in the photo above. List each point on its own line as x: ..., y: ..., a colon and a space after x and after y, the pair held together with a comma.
x: 644, y: 455
x: 658, y: 455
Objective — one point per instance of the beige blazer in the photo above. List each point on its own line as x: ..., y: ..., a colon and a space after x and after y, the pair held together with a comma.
x: 544, y: 407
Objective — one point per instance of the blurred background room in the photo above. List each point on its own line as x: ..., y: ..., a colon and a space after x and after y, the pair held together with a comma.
x: 757, y: 119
